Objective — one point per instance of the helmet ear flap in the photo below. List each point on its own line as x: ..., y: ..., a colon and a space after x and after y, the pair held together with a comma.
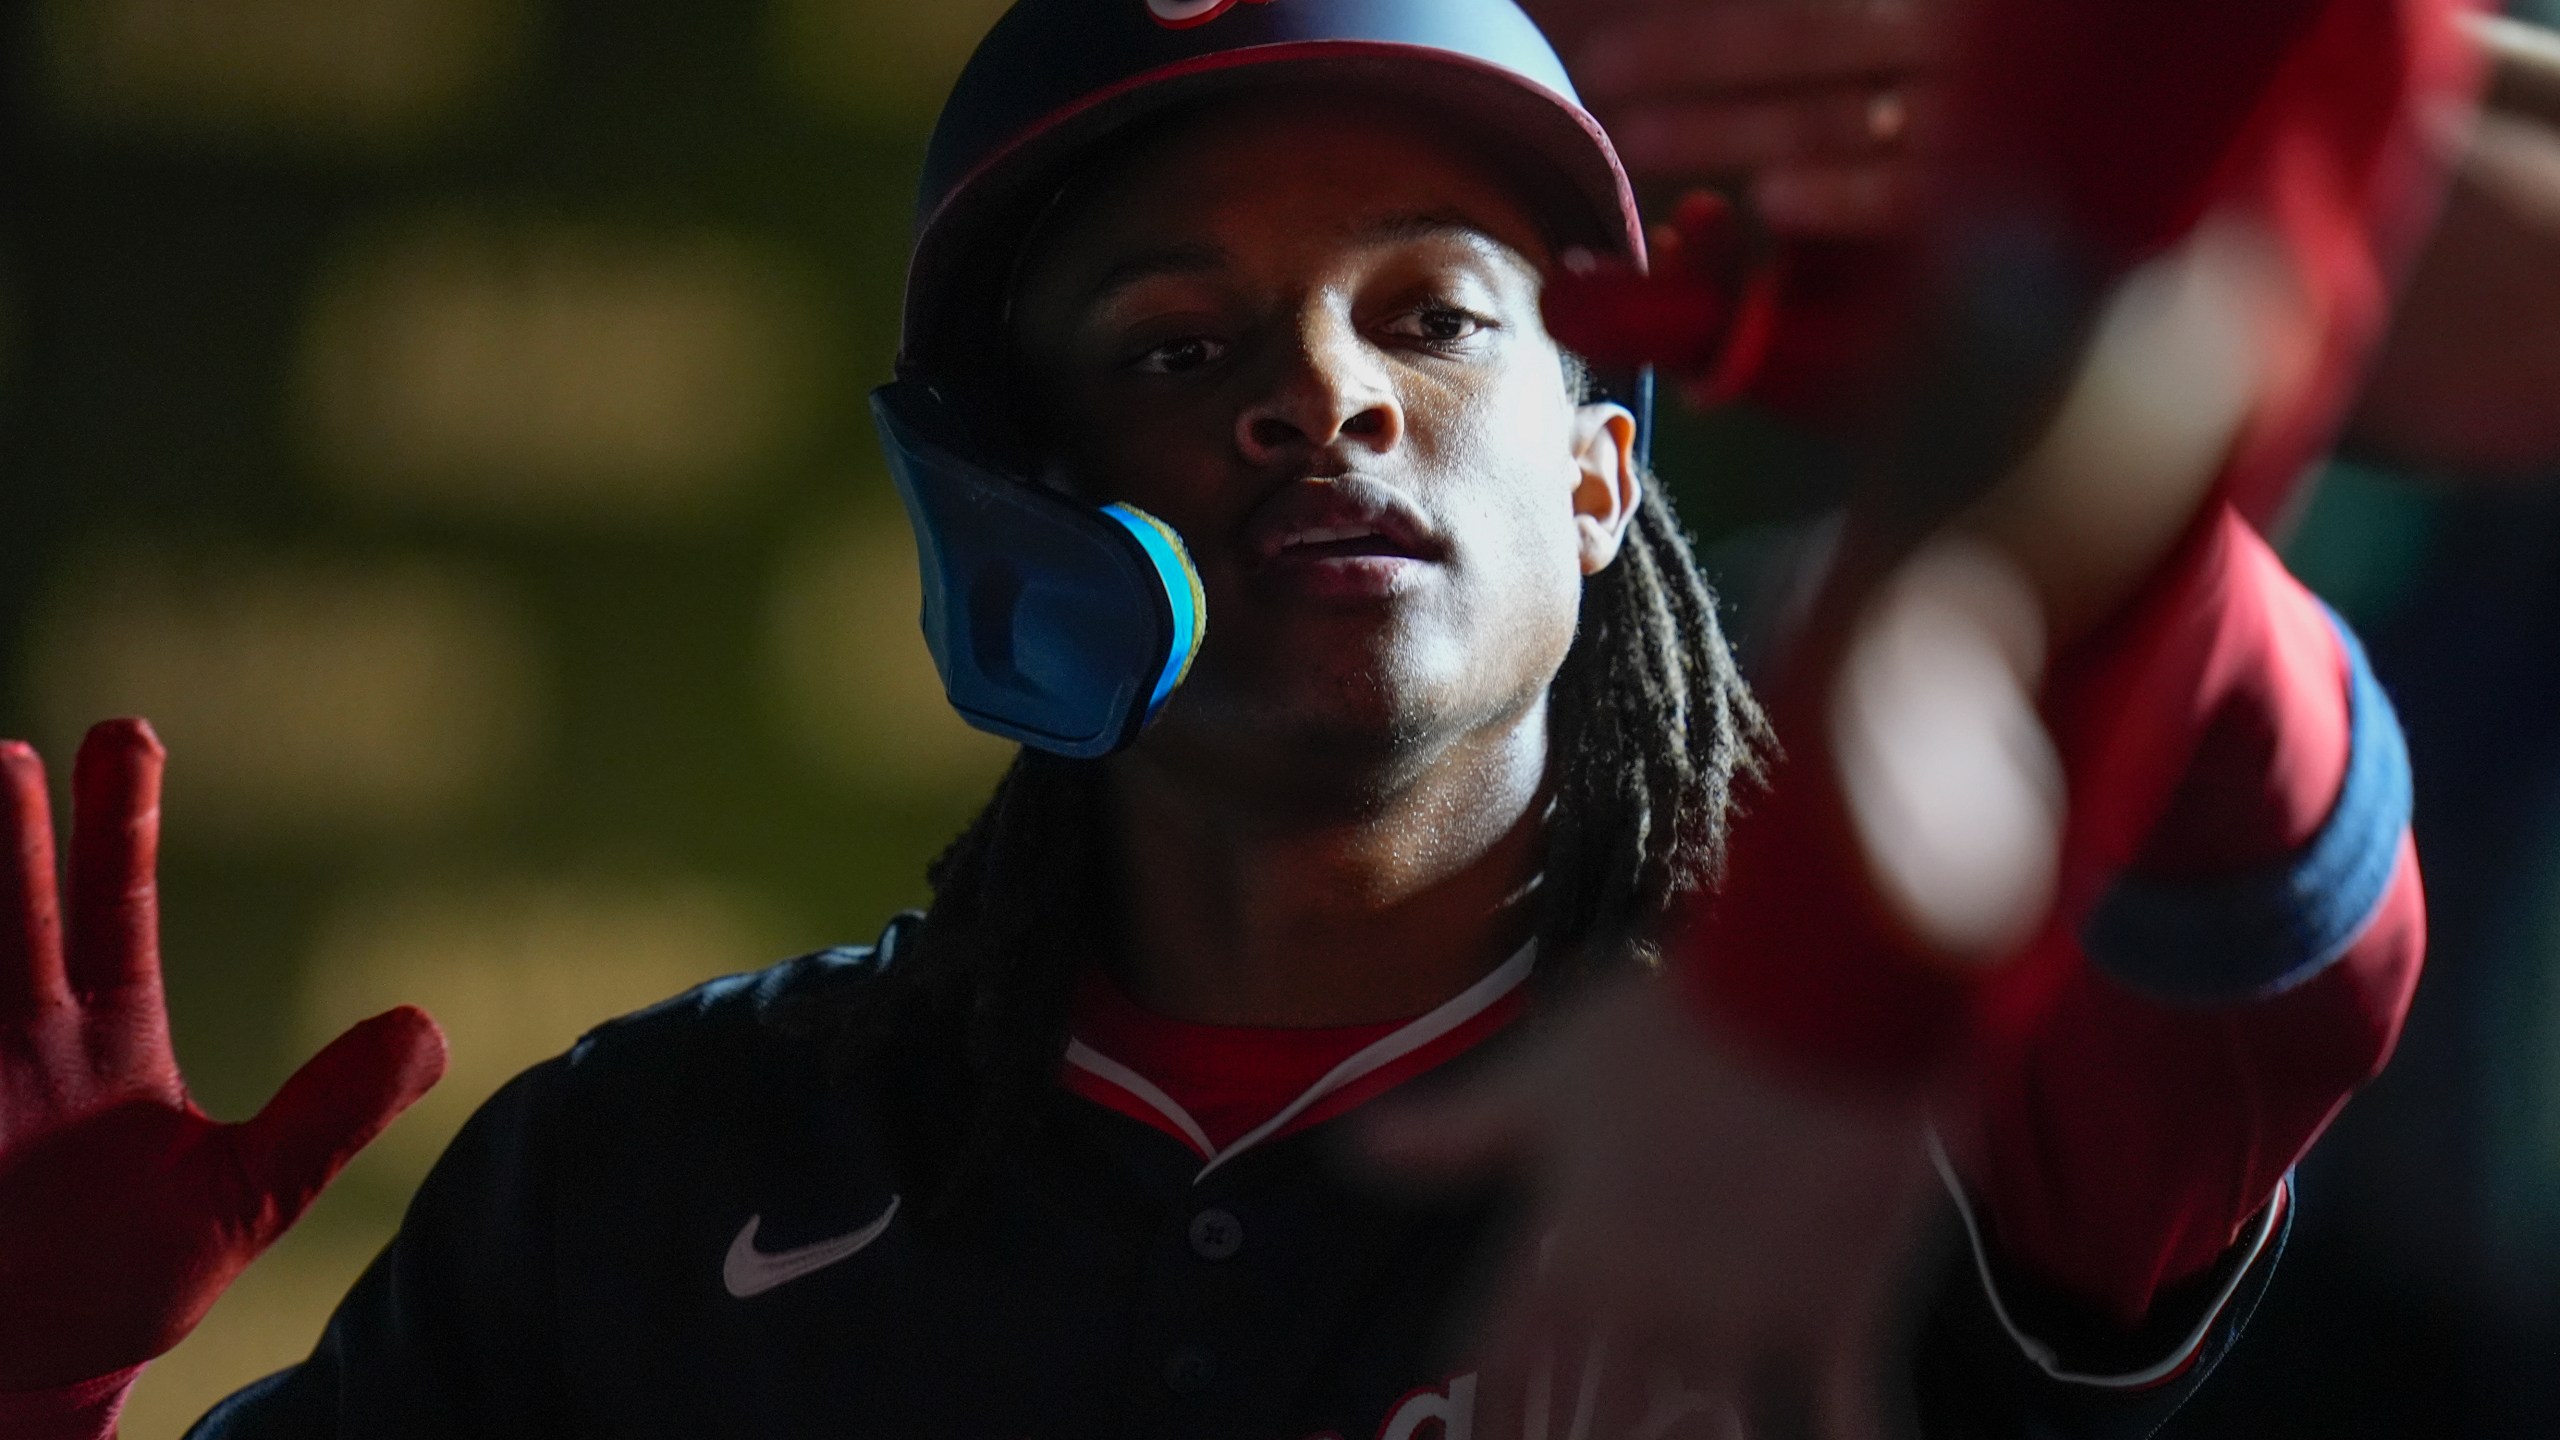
x: 1053, y: 623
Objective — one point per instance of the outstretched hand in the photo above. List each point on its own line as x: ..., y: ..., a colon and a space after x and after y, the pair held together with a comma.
x: 124, y: 1211
x: 1812, y: 105
x: 1710, y: 1253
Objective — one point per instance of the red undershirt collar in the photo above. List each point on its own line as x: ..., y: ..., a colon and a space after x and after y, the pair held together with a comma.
x: 1223, y: 1089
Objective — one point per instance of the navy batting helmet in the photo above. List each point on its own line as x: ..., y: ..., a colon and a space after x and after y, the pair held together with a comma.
x: 1055, y: 76
x: 1062, y: 624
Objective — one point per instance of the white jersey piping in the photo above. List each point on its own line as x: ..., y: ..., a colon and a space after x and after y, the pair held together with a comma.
x: 1466, y: 1005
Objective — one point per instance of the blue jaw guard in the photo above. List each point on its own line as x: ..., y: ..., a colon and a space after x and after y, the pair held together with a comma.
x: 1053, y: 622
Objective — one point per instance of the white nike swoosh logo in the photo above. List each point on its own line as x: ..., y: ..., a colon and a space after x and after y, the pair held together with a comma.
x: 750, y: 1271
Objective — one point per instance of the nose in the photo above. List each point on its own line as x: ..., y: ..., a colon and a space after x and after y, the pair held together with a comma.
x: 1327, y: 389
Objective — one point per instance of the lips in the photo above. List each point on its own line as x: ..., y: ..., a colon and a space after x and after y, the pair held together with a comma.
x: 1343, y: 518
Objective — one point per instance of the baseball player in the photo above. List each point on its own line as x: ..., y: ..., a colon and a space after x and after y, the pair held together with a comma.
x: 1374, y: 715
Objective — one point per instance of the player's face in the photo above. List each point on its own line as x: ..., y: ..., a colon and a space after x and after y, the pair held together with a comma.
x: 1307, y: 336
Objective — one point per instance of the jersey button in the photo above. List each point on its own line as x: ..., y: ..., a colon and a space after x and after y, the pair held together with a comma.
x: 1190, y: 1369
x: 1216, y: 1235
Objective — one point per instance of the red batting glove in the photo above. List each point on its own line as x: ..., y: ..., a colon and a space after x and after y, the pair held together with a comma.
x: 124, y: 1211
x: 1705, y: 309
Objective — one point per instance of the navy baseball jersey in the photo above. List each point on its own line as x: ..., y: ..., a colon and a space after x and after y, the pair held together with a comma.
x: 697, y: 1223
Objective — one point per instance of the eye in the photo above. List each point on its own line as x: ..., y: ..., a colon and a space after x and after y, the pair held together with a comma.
x: 1438, y: 326
x: 1180, y: 357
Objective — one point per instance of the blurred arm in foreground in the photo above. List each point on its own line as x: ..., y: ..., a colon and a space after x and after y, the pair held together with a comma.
x: 2090, y: 837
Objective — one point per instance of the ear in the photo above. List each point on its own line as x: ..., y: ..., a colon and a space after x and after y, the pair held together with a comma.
x: 1609, y: 486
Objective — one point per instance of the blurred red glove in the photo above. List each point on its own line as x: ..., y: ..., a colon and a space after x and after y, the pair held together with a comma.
x: 1814, y: 112
x: 1820, y: 121
x: 2110, y: 129
x: 124, y: 1211
x: 1705, y: 311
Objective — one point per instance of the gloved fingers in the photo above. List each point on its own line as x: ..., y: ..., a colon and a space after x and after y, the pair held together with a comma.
x: 335, y: 1105
x: 1692, y: 1388
x: 114, y: 939
x: 1587, y: 1381
x: 31, y: 973
x: 1510, y: 1401
x: 1536, y: 1370
x: 1615, y: 316
x: 1691, y: 139
x: 1861, y: 199
x: 1747, y: 44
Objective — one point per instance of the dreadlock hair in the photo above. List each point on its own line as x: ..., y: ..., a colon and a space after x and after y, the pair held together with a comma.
x: 1651, y: 732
